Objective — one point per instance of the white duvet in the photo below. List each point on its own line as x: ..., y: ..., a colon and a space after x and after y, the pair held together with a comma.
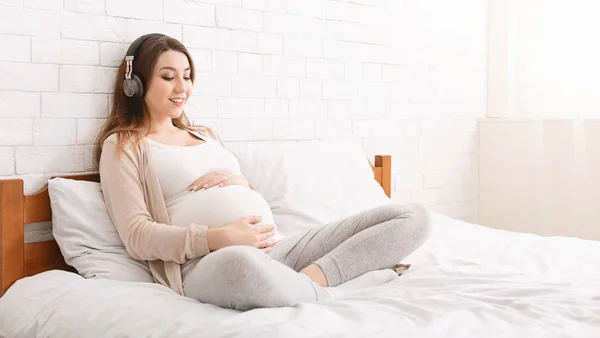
x: 467, y: 281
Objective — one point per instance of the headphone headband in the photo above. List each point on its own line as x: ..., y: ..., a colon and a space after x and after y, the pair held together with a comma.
x: 137, y: 42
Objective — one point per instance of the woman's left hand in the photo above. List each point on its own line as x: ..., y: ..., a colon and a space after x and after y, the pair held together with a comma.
x: 218, y: 178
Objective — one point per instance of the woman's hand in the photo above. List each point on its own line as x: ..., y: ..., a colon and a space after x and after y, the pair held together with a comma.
x: 243, y: 231
x: 218, y: 178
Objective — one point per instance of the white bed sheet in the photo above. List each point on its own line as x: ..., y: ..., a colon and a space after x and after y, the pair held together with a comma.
x: 467, y: 281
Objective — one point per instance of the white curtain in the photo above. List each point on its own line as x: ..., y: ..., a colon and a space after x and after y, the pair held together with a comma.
x: 544, y: 59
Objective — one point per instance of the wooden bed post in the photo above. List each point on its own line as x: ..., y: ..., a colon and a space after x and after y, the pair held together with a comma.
x: 385, y: 163
x: 12, y: 234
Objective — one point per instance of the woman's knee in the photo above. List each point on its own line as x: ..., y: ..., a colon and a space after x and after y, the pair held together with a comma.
x: 416, y: 218
x: 218, y: 275
x: 228, y: 265
x: 234, y: 258
x: 238, y: 278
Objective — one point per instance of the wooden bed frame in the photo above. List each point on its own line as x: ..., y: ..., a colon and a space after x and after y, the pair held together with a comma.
x: 19, y: 260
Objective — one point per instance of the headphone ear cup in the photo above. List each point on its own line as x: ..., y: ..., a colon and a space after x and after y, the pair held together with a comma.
x: 139, y: 86
x: 133, y: 87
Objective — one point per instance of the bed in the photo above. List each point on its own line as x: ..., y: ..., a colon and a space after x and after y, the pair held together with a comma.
x: 466, y: 281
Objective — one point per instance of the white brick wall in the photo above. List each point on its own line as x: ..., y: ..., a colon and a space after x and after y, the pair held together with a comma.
x: 7, y: 161
x: 19, y: 104
x: 59, y: 51
x: 390, y: 72
x: 19, y: 51
x: 16, y: 132
x: 54, y: 132
x: 74, y: 105
x: 87, y: 6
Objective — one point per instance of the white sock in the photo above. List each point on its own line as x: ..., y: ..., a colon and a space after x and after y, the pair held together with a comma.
x: 366, y: 280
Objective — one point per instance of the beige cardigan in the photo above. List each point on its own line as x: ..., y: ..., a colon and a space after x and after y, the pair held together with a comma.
x: 137, y: 208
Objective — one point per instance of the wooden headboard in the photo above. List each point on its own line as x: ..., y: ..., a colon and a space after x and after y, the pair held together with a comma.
x: 19, y: 259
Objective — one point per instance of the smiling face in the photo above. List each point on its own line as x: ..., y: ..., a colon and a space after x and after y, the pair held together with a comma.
x: 169, y: 87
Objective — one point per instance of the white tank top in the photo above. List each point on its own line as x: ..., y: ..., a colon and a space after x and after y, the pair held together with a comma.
x: 179, y: 166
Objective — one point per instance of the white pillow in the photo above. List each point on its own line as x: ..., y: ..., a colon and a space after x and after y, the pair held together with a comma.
x: 310, y: 184
x: 86, y: 235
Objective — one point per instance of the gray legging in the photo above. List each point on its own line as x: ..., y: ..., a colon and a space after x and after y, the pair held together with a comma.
x: 243, y: 277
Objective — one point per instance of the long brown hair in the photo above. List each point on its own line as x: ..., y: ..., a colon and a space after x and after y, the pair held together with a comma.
x: 128, y: 115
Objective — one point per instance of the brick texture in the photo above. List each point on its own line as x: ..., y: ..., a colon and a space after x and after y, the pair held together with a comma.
x: 388, y: 72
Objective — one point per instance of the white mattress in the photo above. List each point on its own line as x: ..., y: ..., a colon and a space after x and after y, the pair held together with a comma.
x: 467, y: 281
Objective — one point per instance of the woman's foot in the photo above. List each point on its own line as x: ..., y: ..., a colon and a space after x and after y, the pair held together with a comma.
x: 366, y: 280
x: 400, y: 268
x: 316, y: 274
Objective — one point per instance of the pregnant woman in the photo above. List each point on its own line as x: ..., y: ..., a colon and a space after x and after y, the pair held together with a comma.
x: 179, y: 201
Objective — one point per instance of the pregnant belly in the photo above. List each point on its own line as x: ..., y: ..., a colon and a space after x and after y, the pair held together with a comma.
x: 218, y: 206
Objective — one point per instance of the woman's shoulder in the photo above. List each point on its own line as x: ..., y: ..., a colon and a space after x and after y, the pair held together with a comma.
x: 112, y: 138
x: 206, y: 132
x: 121, y: 143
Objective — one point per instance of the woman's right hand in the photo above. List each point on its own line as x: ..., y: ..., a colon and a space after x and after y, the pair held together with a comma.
x: 243, y: 231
